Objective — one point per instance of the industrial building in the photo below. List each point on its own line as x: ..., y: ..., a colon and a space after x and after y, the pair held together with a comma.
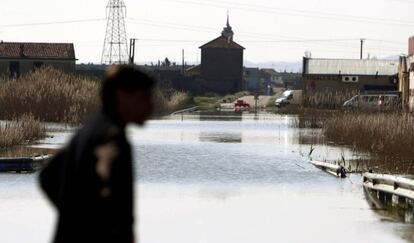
x: 336, y: 75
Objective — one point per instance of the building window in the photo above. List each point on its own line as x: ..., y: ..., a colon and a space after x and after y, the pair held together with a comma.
x: 37, y: 65
x: 14, y: 69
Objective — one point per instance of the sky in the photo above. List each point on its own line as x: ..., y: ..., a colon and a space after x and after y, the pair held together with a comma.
x: 270, y: 30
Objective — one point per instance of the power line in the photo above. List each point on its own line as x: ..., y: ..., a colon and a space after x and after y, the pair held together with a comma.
x: 52, y: 23
x: 193, y: 28
x: 242, y: 33
x: 268, y: 37
x: 295, y: 12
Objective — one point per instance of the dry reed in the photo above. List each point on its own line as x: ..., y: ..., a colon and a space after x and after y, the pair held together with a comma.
x: 328, y: 99
x: 22, y: 130
x: 49, y: 95
x: 55, y: 96
x: 167, y: 102
x: 390, y: 134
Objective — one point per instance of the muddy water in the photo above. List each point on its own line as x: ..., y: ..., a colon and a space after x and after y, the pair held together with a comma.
x: 222, y: 179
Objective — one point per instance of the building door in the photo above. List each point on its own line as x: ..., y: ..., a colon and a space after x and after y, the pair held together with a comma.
x: 14, y: 69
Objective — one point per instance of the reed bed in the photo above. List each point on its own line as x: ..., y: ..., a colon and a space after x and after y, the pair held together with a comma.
x: 22, y: 130
x: 328, y: 99
x: 49, y: 95
x: 388, y: 134
x: 307, y: 117
x: 169, y: 101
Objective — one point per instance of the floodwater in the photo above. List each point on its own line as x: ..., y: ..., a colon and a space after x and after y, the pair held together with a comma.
x: 221, y: 179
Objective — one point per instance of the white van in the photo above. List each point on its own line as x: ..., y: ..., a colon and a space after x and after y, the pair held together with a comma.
x: 373, y: 101
x: 289, y: 97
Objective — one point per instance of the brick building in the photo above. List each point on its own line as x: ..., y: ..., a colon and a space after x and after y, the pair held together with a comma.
x: 222, y: 63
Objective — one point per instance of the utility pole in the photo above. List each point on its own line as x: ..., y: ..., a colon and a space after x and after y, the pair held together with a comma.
x: 183, y: 64
x: 362, y: 48
x: 131, y: 59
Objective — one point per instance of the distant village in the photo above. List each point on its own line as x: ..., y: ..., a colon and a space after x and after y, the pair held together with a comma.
x: 222, y: 71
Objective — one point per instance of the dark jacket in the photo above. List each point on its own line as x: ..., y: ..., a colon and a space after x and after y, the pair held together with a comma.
x: 90, y: 182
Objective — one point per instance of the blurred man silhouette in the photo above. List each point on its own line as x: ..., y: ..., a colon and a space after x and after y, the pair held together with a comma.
x: 90, y: 182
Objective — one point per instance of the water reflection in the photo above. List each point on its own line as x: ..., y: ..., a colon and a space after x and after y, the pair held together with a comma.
x: 391, y: 206
x: 25, y: 152
x: 220, y: 137
x: 219, y: 193
x: 223, y: 116
x: 239, y: 179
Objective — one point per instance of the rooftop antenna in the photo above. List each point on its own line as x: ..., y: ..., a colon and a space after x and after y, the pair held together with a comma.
x: 115, y: 50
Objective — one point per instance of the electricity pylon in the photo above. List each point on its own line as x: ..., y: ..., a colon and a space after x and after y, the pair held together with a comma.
x: 115, y: 50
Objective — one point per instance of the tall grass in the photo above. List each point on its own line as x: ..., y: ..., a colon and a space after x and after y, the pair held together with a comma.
x: 49, y: 95
x: 307, y: 117
x: 169, y: 101
x: 390, y: 134
x: 22, y: 130
x: 328, y: 99
x: 54, y: 96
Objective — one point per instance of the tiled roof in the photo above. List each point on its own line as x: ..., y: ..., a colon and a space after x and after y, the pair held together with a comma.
x: 351, y: 66
x: 222, y: 42
x: 37, y: 50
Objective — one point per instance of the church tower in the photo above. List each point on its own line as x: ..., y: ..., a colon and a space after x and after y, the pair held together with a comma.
x: 228, y: 31
x: 222, y: 63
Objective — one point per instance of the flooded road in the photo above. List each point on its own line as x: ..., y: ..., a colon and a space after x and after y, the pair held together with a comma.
x: 222, y: 179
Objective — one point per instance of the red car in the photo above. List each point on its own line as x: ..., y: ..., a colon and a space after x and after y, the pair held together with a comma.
x: 241, y: 105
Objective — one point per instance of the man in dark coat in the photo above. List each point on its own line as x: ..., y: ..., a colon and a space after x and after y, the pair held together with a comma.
x: 90, y: 182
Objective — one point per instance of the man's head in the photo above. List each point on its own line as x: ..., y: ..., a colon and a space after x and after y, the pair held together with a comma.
x: 127, y: 94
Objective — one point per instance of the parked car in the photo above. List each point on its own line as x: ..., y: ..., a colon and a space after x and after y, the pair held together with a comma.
x: 293, y: 97
x: 241, y: 105
x: 281, y: 102
x: 373, y: 101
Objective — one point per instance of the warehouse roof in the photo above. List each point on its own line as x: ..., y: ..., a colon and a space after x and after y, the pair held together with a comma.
x: 351, y: 66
